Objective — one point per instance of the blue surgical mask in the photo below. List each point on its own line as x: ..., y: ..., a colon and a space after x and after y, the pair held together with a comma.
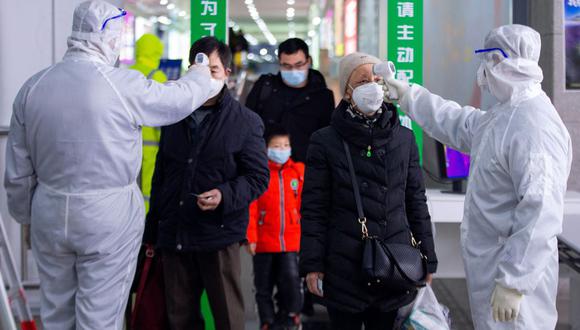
x: 279, y: 156
x: 294, y: 77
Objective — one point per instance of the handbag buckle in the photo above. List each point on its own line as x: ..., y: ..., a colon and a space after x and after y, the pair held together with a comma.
x: 150, y: 252
x: 414, y: 242
x: 364, y: 229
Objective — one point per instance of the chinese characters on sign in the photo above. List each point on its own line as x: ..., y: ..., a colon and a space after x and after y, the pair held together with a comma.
x: 405, y: 48
x: 209, y: 18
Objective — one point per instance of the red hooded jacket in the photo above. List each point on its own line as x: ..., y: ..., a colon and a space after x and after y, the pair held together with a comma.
x: 275, y: 216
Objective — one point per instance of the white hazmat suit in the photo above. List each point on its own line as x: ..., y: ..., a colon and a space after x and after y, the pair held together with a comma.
x: 521, y: 156
x: 73, y: 156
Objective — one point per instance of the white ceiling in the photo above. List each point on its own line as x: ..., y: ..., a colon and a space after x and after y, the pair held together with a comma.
x: 273, y: 12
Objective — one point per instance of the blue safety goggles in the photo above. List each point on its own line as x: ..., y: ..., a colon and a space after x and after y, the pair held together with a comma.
x: 488, y: 50
x: 123, y: 13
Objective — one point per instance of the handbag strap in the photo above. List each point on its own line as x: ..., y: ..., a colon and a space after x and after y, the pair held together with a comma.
x: 361, y: 216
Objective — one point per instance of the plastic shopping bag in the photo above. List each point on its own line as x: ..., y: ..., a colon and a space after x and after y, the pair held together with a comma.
x: 425, y: 313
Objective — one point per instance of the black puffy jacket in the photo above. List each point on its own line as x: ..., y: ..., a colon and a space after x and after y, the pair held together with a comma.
x: 301, y: 111
x: 228, y: 152
x: 393, y: 195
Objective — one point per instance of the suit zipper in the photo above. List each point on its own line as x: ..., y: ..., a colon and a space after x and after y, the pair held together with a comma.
x: 282, y: 210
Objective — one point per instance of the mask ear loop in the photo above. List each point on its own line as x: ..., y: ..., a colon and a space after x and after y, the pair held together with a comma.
x: 354, y: 106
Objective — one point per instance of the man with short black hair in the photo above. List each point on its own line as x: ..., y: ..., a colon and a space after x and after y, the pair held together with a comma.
x: 296, y: 98
x: 209, y: 167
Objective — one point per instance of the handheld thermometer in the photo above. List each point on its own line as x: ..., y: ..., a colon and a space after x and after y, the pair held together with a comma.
x: 387, y: 70
x: 201, y: 59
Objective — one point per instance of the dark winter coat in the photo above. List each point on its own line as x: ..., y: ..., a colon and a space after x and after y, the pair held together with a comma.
x: 301, y: 111
x: 226, y: 152
x: 392, y: 192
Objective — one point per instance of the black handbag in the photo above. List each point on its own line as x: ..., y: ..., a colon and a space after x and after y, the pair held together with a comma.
x: 395, y: 266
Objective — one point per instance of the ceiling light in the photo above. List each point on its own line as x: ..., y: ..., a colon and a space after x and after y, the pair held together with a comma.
x: 163, y: 2
x: 290, y: 2
x: 260, y: 22
x: 311, y: 33
x: 164, y: 20
x: 182, y: 13
x: 263, y: 51
x: 251, y: 39
x: 316, y: 21
x: 171, y: 6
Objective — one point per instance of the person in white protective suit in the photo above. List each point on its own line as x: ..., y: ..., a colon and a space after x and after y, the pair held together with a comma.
x: 73, y: 156
x: 521, y: 156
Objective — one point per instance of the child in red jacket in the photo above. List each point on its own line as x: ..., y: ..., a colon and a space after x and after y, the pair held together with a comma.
x: 274, y: 237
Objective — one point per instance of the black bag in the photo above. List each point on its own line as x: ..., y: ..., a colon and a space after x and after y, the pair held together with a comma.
x: 394, y: 266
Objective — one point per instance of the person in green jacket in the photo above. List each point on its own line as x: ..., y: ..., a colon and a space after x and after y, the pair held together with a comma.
x: 148, y: 53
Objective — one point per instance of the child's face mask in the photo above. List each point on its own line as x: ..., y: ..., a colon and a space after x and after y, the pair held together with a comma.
x: 278, y: 155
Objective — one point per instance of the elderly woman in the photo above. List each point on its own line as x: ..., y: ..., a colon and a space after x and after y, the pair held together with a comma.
x: 386, y: 162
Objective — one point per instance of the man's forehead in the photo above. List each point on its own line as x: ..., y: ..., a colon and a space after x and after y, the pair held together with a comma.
x: 294, y: 57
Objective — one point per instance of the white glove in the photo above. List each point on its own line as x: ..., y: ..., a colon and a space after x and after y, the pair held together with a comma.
x: 200, y: 67
x: 399, y: 87
x: 505, y: 304
x: 200, y: 72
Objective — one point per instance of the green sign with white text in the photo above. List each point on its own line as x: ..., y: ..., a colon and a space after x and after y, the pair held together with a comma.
x: 405, y: 49
x: 209, y: 18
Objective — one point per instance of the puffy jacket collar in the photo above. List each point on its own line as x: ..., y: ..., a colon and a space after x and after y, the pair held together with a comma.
x: 224, y: 100
x: 362, y: 132
x: 277, y: 167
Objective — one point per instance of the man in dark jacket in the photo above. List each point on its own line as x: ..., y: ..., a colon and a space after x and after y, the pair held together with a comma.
x: 209, y: 167
x: 296, y: 98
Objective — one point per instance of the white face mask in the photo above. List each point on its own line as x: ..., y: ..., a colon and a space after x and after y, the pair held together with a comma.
x: 368, y: 98
x: 216, y: 86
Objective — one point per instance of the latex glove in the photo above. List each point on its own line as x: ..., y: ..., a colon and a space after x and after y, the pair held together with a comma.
x: 201, y: 66
x: 400, y: 88
x: 505, y: 304
x: 200, y: 69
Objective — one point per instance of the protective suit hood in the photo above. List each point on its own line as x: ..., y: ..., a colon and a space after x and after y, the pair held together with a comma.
x: 96, y: 32
x: 519, y: 72
x: 149, y: 50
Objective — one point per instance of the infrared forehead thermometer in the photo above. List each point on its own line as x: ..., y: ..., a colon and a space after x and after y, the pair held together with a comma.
x: 201, y: 59
x: 386, y: 69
